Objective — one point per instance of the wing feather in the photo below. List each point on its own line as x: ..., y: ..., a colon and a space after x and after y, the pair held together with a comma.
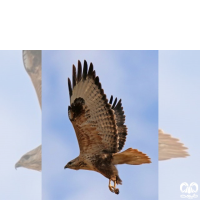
x: 79, y: 75
x: 120, y: 118
x: 74, y: 76
x: 111, y: 99
x: 32, y: 64
x: 85, y: 70
x: 90, y: 72
x: 170, y: 147
x: 70, y: 87
x: 91, y: 114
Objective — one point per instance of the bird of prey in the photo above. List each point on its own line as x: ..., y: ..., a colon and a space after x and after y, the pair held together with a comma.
x: 99, y: 127
x: 32, y: 64
x: 32, y: 159
x: 170, y: 147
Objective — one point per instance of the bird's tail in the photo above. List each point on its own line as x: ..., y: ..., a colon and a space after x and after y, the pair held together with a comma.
x: 131, y: 157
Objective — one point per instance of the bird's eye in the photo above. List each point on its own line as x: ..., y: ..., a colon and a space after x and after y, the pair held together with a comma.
x: 69, y: 163
x: 26, y: 157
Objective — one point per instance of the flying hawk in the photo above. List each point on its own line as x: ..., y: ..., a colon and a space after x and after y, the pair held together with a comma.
x: 170, y: 147
x: 31, y: 160
x: 99, y: 127
x: 32, y: 64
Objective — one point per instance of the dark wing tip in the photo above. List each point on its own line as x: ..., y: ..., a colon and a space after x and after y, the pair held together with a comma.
x: 85, y: 69
x: 99, y: 86
x: 90, y: 72
x: 119, y: 104
x: 70, y: 87
x: 74, y: 75
x: 111, y: 99
x: 113, y: 106
x: 97, y: 80
x: 79, y: 75
x: 94, y: 74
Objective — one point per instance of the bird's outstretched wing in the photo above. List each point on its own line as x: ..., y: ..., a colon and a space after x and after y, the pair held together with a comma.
x: 32, y: 64
x: 170, y: 147
x: 120, y: 118
x: 92, y: 117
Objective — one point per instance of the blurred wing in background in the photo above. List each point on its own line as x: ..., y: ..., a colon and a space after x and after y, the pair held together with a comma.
x: 170, y: 147
x: 32, y: 64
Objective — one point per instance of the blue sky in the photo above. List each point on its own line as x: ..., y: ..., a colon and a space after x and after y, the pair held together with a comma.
x: 130, y: 75
x: 179, y: 108
x: 20, y: 129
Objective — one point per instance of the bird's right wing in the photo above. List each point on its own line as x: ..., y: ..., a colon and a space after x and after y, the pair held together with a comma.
x: 91, y: 115
x: 170, y: 147
x: 32, y: 64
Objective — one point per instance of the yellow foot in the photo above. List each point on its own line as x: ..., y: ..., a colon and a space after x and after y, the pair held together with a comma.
x: 113, y: 188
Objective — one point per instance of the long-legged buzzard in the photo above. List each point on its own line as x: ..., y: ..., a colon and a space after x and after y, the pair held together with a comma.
x: 99, y: 127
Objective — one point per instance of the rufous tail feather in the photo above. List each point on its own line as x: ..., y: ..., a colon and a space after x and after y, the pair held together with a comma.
x: 131, y: 157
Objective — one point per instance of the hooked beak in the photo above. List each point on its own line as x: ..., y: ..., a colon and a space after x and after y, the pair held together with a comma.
x: 66, y: 166
x: 17, y: 165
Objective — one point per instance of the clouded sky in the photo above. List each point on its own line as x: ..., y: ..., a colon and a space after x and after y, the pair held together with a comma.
x: 129, y: 75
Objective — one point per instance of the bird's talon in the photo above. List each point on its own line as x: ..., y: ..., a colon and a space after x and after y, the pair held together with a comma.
x: 112, y: 189
x: 116, y: 191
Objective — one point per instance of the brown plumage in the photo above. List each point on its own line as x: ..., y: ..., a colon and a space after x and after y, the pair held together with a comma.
x: 99, y: 127
x: 31, y: 160
x: 170, y: 147
x: 32, y: 64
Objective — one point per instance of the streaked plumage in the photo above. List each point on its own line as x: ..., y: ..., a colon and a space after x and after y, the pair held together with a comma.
x: 99, y: 127
x: 170, y: 147
x: 32, y: 64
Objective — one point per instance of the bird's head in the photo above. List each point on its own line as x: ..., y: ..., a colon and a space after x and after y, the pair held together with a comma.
x: 31, y: 160
x: 76, y: 164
